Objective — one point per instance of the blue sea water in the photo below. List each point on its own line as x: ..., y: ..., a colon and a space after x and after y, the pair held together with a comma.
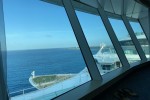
x: 21, y: 63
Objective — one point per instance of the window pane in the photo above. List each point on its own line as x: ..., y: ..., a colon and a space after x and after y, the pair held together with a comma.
x: 42, y: 53
x: 100, y: 44
x: 125, y: 40
x: 141, y: 37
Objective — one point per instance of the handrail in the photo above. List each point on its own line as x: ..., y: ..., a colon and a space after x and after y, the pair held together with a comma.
x: 23, y: 90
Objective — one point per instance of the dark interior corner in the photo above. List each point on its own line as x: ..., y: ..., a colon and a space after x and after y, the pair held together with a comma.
x: 138, y: 81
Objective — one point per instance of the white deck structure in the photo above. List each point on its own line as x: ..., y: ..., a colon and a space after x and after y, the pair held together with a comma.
x: 57, y: 89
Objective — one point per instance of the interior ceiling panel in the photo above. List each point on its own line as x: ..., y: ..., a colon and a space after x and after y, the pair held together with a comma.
x: 92, y: 3
x: 118, y: 9
x: 139, y: 11
x: 108, y: 6
x: 135, y: 15
x: 84, y: 8
x: 143, y: 14
x: 139, y: 15
x: 144, y: 2
x: 102, y: 3
x: 129, y: 15
x: 129, y: 6
x: 139, y: 8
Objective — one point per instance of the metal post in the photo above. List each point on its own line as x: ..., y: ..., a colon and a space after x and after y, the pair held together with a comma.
x: 95, y: 74
x: 134, y: 39
x: 149, y: 29
x: 114, y: 39
x: 3, y: 80
x: 3, y: 86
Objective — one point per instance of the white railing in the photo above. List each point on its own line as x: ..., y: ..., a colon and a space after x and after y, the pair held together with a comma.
x: 54, y: 91
x: 21, y: 92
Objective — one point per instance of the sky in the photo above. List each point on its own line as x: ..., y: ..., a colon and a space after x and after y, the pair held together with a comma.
x: 136, y: 27
x: 119, y: 29
x: 33, y: 24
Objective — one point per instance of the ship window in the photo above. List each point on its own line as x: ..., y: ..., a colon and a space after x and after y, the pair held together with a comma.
x: 43, y: 56
x: 99, y: 42
x: 125, y: 40
x: 141, y: 37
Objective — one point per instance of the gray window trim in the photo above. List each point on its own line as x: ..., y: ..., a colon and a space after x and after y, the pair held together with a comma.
x: 91, y: 65
x: 134, y: 39
x: 144, y: 31
x: 114, y: 39
x: 3, y: 69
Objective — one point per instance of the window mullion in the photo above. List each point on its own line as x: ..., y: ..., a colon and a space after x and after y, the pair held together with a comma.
x: 114, y: 39
x: 3, y: 80
x: 81, y: 40
x: 134, y: 39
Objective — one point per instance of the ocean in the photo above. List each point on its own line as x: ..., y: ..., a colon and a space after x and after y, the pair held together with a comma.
x: 21, y: 63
